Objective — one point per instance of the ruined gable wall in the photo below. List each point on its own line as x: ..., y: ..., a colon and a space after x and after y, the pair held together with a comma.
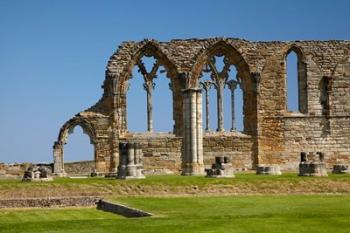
x: 283, y: 134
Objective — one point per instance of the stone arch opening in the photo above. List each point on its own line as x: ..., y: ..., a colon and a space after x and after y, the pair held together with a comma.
x: 58, y: 148
x: 232, y: 59
x: 161, y: 66
x: 149, y: 109
x: 295, y: 80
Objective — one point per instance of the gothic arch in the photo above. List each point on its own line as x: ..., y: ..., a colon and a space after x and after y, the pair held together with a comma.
x: 248, y: 82
x: 146, y: 48
x: 120, y: 84
x: 301, y: 77
x: 69, y: 126
x: 65, y: 130
x: 220, y: 47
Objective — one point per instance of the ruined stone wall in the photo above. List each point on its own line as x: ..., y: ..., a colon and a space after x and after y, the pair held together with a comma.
x: 161, y: 152
x: 325, y: 126
x: 79, y: 167
x: 273, y: 135
x: 237, y: 146
x: 16, y: 170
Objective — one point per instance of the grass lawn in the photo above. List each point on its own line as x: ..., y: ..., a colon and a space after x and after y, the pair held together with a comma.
x: 280, y: 213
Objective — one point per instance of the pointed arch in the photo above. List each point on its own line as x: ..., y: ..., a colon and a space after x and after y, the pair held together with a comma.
x: 220, y: 47
x: 248, y: 84
x: 146, y: 48
x: 69, y: 126
x: 301, y: 82
x: 149, y: 48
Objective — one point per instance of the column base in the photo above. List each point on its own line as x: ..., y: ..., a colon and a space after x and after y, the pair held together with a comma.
x: 60, y: 174
x: 193, y: 170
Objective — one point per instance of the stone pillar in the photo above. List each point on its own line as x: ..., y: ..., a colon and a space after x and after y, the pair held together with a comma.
x: 206, y: 85
x: 220, y: 107
x: 149, y: 86
x: 131, y: 168
x: 58, y: 164
x: 123, y: 160
x: 192, y: 163
x: 130, y: 161
x: 232, y: 85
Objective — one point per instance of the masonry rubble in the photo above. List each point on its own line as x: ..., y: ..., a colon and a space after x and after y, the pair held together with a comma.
x: 312, y: 164
x: 222, y: 168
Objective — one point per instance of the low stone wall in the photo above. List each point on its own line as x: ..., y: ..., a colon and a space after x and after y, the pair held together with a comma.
x: 121, y: 209
x: 79, y: 167
x: 16, y: 170
x: 235, y: 145
x: 49, y: 202
x: 161, y: 152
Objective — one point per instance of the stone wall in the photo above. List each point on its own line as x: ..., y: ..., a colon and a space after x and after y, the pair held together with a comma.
x: 49, y: 202
x: 16, y: 170
x: 121, y: 209
x: 161, y: 152
x: 79, y: 167
x: 272, y: 134
x: 235, y: 145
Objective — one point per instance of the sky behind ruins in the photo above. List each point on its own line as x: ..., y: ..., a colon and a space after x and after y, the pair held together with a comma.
x: 53, y: 53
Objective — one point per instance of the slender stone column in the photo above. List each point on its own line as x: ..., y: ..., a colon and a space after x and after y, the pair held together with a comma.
x: 220, y: 79
x: 206, y: 85
x: 148, y: 77
x: 149, y: 86
x: 232, y: 85
x: 219, y: 85
x: 192, y: 163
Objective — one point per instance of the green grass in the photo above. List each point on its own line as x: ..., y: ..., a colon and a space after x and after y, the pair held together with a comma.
x: 294, y: 213
x: 177, y: 180
x: 177, y: 185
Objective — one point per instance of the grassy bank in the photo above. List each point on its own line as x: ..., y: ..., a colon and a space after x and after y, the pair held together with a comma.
x: 178, y: 185
x: 296, y: 213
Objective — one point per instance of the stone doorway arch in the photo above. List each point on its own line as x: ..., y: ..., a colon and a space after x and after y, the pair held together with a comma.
x: 66, y: 129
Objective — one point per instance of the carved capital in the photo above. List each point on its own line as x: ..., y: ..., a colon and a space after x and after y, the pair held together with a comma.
x: 149, y: 86
x: 206, y: 85
x: 232, y: 84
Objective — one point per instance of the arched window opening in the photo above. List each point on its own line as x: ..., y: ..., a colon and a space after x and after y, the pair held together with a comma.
x: 296, y: 83
x: 219, y: 82
x: 79, y: 149
x: 149, y: 98
x: 292, y: 82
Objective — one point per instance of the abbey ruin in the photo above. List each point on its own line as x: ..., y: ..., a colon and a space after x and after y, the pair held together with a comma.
x: 271, y: 134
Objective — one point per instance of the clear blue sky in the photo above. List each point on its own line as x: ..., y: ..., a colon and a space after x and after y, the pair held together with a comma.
x: 53, y: 53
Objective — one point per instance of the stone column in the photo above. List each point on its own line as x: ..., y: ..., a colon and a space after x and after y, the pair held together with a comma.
x: 131, y: 167
x: 220, y: 107
x: 149, y: 86
x: 206, y: 85
x: 192, y: 163
x: 58, y: 164
x: 232, y: 85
